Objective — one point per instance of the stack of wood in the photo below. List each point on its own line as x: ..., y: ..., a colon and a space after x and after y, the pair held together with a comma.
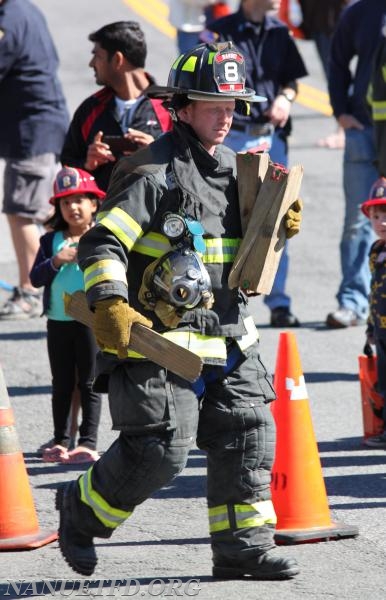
x: 266, y: 192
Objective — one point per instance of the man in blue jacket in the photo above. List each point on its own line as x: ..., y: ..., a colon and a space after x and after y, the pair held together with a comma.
x: 357, y: 35
x: 273, y: 67
x: 33, y: 123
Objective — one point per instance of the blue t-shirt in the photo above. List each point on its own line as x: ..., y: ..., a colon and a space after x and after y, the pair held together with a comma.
x: 69, y: 279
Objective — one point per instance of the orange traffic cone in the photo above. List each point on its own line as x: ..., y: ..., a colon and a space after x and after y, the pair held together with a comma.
x: 372, y: 401
x: 19, y: 527
x: 298, y: 489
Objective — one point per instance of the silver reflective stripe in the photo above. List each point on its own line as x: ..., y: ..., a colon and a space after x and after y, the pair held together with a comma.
x: 109, y: 516
x: 220, y: 250
x: 124, y: 227
x: 254, y: 515
x: 218, y: 518
x: 152, y: 244
x: 104, y: 270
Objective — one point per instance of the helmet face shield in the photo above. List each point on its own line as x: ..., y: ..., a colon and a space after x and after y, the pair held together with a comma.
x: 181, y: 279
x: 208, y: 72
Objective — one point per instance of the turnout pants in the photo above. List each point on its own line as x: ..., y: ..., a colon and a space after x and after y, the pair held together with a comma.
x: 231, y: 422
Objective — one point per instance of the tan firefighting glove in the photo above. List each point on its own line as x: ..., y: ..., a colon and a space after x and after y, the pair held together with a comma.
x: 165, y: 312
x: 113, y: 319
x: 293, y: 218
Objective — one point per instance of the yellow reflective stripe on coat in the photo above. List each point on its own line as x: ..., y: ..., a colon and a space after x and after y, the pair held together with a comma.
x: 254, y: 515
x: 104, y: 270
x: 220, y: 250
x: 108, y: 515
x: 205, y: 346
x: 218, y: 518
x: 121, y: 225
x: 152, y: 244
x: 378, y: 110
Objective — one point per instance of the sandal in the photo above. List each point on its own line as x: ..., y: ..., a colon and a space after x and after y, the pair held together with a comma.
x: 82, y: 454
x: 44, y: 446
x: 57, y: 453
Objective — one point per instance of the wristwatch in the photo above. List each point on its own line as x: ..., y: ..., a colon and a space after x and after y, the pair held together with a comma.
x: 288, y: 97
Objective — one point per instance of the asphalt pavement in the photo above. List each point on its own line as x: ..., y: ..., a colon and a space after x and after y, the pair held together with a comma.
x: 167, y: 537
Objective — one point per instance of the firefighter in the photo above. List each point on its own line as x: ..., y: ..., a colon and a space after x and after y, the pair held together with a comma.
x: 160, y: 254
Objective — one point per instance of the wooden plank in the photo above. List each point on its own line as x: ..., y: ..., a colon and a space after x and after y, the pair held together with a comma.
x: 270, y: 188
x: 256, y: 262
x: 143, y: 340
x: 260, y: 267
x: 251, y: 170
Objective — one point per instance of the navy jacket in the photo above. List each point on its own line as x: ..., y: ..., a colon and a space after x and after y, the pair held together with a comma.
x: 33, y: 113
x: 272, y: 58
x: 357, y: 34
x: 42, y: 272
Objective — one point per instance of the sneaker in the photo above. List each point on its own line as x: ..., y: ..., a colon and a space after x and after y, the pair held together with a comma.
x: 22, y: 304
x: 263, y: 567
x: 77, y: 548
x: 283, y: 317
x: 377, y: 441
x: 343, y: 317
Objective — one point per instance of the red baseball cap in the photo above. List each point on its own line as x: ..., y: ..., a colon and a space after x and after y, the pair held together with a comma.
x: 377, y: 195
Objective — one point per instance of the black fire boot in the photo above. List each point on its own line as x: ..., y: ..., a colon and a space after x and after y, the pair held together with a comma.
x: 262, y: 567
x: 76, y: 547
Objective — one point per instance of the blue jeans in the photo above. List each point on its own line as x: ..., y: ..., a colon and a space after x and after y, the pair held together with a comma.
x: 359, y: 174
x: 240, y: 141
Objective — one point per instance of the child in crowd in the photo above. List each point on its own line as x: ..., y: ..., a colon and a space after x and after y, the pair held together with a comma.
x: 375, y: 209
x: 71, y: 345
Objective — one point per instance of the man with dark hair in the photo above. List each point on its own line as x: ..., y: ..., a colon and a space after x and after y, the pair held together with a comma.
x: 123, y: 36
x: 167, y: 206
x: 120, y: 110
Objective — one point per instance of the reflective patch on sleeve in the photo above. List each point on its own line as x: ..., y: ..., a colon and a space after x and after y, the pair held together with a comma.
x: 122, y: 225
x: 104, y: 270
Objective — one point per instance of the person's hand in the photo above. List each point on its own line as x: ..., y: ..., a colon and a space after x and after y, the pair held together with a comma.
x: 347, y: 121
x: 113, y: 319
x: 98, y: 153
x: 293, y: 218
x: 68, y: 254
x: 279, y: 112
x: 140, y: 138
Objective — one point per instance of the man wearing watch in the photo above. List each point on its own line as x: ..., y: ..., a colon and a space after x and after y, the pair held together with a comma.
x: 273, y: 67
